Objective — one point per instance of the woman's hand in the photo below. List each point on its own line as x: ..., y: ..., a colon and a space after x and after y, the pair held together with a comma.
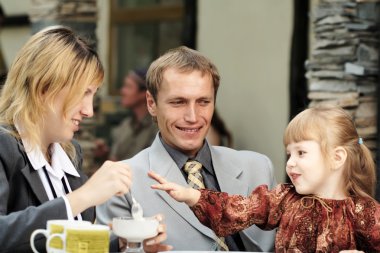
x: 112, y: 178
x: 153, y: 245
x: 182, y: 194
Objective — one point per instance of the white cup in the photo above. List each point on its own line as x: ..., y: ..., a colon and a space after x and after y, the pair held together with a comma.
x: 135, y: 230
x: 78, y: 238
x: 54, y: 227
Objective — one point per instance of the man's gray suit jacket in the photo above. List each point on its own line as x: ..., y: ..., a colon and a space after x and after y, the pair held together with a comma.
x: 24, y: 204
x: 238, y: 172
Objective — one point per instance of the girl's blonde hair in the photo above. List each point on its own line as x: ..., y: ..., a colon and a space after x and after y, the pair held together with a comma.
x: 51, y: 60
x: 332, y: 127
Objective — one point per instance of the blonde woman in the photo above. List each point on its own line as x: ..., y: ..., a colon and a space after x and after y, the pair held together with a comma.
x: 49, y: 90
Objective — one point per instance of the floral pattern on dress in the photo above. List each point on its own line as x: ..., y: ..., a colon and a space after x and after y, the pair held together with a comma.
x: 305, y: 223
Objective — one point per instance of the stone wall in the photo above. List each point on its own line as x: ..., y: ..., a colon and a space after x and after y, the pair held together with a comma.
x: 343, y: 65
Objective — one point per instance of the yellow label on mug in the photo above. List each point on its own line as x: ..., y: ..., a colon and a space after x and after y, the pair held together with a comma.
x: 56, y: 242
x: 87, y: 241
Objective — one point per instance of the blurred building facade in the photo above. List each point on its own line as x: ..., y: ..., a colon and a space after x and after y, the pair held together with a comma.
x: 250, y: 50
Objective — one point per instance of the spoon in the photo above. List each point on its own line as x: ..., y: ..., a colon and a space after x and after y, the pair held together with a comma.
x: 137, y: 211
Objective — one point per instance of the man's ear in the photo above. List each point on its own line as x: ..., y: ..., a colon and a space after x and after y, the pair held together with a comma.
x: 340, y: 157
x: 151, y: 104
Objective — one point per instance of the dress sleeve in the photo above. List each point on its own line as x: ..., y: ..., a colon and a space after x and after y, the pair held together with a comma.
x: 227, y: 214
x: 367, y: 225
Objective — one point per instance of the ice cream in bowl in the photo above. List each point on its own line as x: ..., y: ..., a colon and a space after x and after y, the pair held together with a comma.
x: 135, y: 230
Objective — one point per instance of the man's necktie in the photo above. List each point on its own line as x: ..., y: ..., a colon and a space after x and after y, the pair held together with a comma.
x: 195, y: 180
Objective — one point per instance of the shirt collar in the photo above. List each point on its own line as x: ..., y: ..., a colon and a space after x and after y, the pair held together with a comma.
x: 60, y: 158
x: 60, y: 161
x: 203, y: 156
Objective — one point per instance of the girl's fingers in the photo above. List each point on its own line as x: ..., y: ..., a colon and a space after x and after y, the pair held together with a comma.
x: 157, y: 177
x: 164, y: 187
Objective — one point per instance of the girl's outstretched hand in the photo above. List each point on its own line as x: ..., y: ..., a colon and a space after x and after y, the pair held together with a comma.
x: 182, y: 194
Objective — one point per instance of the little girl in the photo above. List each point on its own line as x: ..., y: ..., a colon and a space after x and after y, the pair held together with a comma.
x: 327, y: 208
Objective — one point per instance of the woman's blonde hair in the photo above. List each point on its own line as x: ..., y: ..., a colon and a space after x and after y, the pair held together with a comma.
x: 51, y: 60
x: 332, y: 127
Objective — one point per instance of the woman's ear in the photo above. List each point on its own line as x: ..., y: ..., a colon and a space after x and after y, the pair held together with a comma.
x: 340, y: 157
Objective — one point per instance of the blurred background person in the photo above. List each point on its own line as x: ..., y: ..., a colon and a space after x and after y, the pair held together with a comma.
x: 218, y: 134
x: 137, y: 130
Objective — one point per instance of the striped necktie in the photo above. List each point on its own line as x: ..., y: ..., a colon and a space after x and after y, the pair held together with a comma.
x: 195, y: 180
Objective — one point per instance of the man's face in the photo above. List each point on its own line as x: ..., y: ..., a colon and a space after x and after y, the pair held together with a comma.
x: 184, y: 108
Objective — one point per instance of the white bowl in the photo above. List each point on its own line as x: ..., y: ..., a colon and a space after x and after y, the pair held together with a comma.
x: 135, y: 230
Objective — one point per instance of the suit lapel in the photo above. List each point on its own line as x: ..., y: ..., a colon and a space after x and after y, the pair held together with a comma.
x: 227, y: 173
x: 34, y: 180
x: 163, y: 164
x: 35, y: 183
x: 75, y: 182
x: 32, y: 176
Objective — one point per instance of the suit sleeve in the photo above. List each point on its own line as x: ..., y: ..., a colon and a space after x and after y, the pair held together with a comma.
x: 17, y: 226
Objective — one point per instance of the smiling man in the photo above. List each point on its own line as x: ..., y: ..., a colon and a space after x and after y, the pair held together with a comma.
x: 182, y: 87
